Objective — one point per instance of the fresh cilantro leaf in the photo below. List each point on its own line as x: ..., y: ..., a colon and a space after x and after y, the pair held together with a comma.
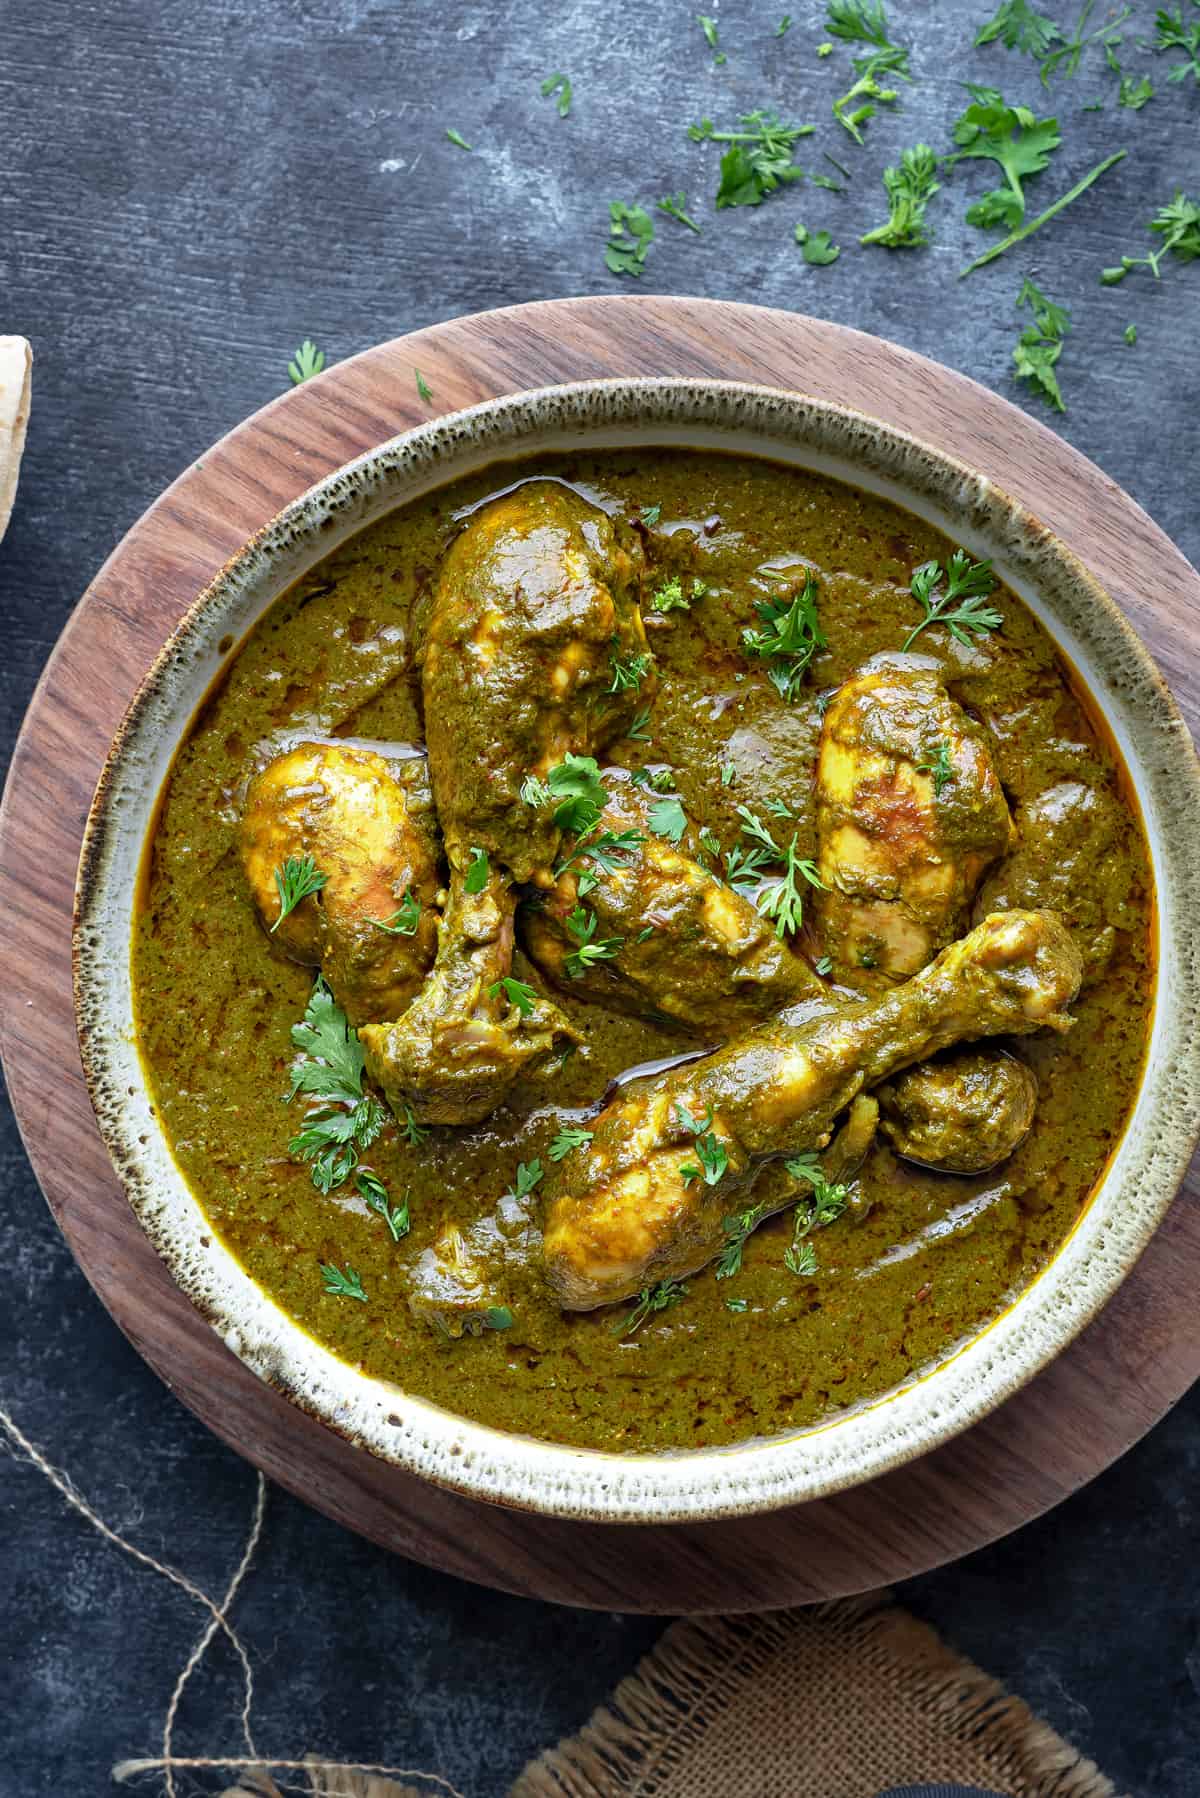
x: 939, y: 768
x: 738, y: 1228
x: 528, y: 1176
x: 675, y: 207
x: 651, y: 1299
x: 422, y: 386
x: 801, y: 1260
x: 1134, y: 94
x: 396, y: 1217
x: 341, y: 1285
x: 659, y: 780
x: 791, y: 636
x: 297, y: 879
x: 569, y: 1138
x: 1020, y: 27
x: 709, y: 27
x: 413, y: 1133
x: 574, y: 784
x: 330, y: 1141
x: 560, y: 85
x: 637, y: 732
x: 333, y: 1061
x: 478, y: 872
x: 736, y: 1305
x: 518, y: 993
x: 456, y: 137
x: 753, y: 827
x: 824, y: 966
x: 650, y: 514
x: 728, y: 774
x: 630, y: 234
x: 818, y: 246
x: 627, y: 676
x: 668, y: 819
x: 404, y: 921
x: 307, y: 361
x: 959, y: 606
x: 331, y: 1069
x: 581, y: 927
x: 758, y: 160
x: 497, y: 1317
x: 1130, y: 334
x: 783, y: 900
x: 604, y: 852
x: 784, y: 25
x: 713, y: 1158
x: 910, y: 185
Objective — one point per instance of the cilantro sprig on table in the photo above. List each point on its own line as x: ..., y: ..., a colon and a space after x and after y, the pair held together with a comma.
x: 1178, y: 224
x: 630, y: 235
x: 307, y: 362
x: 1011, y: 137
x: 909, y: 184
x: 758, y: 158
x: 865, y: 22
x: 1040, y: 344
x: 1176, y: 33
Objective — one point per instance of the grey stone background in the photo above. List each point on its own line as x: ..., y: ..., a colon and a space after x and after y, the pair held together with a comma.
x: 187, y: 189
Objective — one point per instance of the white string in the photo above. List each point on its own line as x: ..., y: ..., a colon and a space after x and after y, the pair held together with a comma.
x: 63, y: 1484
x: 168, y: 1763
x: 126, y: 1770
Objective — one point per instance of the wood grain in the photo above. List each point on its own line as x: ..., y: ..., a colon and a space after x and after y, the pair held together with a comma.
x: 1092, y: 1404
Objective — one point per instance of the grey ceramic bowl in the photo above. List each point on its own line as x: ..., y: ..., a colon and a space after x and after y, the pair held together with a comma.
x: 1137, y: 1187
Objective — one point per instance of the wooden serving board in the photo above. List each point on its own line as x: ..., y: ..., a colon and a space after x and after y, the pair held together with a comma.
x: 1096, y: 1400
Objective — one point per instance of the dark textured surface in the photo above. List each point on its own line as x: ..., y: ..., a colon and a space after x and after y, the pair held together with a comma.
x: 191, y: 187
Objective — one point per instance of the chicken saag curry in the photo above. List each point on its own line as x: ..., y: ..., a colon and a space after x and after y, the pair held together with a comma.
x: 645, y: 950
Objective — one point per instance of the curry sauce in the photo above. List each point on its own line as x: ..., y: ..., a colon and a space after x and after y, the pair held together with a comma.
x: 921, y: 1260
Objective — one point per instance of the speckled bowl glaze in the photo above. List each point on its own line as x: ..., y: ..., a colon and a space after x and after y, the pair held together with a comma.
x: 855, y: 1446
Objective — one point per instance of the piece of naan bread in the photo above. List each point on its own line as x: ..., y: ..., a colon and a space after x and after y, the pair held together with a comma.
x: 16, y: 360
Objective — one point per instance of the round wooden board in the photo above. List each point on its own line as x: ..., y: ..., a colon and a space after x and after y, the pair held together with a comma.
x: 1071, y: 1422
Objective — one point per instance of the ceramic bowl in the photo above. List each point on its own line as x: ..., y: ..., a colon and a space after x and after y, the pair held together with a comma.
x: 1141, y: 1178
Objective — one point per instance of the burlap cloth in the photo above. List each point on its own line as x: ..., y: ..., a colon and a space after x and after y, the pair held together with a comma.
x: 840, y: 1701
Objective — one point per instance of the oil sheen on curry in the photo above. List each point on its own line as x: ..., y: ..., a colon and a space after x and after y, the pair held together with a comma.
x: 645, y: 950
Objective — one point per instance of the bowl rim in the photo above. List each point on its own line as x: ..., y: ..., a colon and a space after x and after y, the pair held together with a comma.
x: 514, y: 1468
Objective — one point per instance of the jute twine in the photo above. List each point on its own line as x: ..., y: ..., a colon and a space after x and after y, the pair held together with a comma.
x: 838, y: 1701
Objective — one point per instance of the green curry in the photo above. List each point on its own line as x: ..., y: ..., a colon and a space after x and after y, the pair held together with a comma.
x: 806, y: 1303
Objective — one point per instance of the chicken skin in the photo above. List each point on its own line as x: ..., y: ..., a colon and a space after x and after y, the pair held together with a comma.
x: 363, y: 817
x: 535, y: 648
x: 684, y: 948
x: 910, y: 812
x: 647, y: 1199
